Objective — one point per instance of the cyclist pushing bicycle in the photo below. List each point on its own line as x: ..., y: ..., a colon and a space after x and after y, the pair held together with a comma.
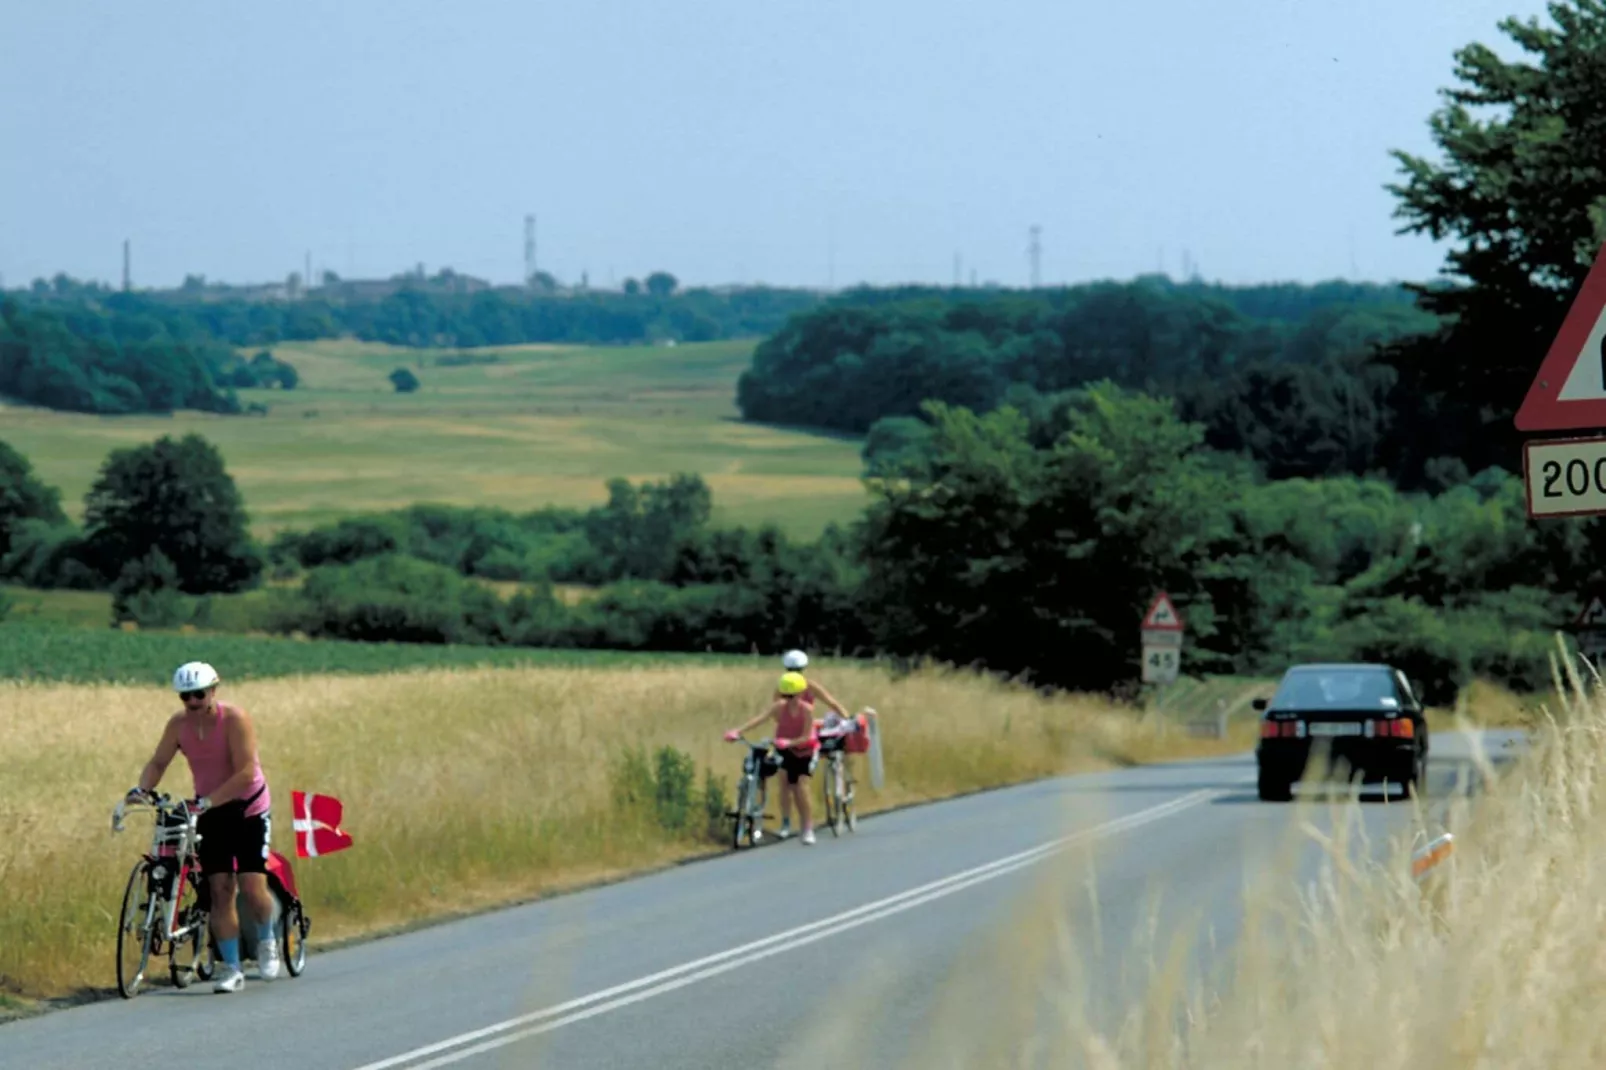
x: 218, y: 741
x: 796, y: 745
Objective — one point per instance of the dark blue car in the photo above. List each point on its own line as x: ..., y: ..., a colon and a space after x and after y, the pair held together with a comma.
x: 1363, y: 718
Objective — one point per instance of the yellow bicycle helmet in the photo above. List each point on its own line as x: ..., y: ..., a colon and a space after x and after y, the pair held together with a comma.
x: 792, y: 683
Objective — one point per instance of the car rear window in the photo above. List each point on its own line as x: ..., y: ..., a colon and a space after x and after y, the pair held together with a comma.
x: 1337, y: 689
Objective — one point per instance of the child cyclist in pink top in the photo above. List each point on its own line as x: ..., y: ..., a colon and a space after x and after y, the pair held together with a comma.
x: 219, y: 743
x: 795, y: 743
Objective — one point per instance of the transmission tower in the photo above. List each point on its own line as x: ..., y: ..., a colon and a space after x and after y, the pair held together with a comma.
x: 1035, y: 250
x: 529, y: 250
x: 128, y: 277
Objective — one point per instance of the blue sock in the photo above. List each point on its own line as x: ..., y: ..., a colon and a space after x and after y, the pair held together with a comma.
x: 230, y: 950
x: 264, y: 932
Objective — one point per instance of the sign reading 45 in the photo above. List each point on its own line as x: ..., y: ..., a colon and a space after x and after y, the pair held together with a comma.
x: 1161, y: 664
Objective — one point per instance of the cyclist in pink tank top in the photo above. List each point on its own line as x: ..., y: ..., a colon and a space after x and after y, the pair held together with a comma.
x: 218, y: 741
x: 795, y: 745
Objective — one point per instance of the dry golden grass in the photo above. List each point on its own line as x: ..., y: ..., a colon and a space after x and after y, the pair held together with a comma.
x: 467, y: 788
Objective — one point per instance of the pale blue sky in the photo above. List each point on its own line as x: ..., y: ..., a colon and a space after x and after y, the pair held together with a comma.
x: 782, y: 141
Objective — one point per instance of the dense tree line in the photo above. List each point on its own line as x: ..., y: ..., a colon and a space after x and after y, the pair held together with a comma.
x: 83, y: 358
x: 1295, y: 385
x: 417, y: 314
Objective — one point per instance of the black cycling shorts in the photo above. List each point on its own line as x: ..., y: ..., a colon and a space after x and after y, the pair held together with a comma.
x: 232, y: 842
x: 796, y: 765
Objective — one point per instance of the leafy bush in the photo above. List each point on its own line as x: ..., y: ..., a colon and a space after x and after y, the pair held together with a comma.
x: 146, y: 592
x: 49, y: 556
x: 716, y: 806
x: 393, y: 598
x: 658, y: 790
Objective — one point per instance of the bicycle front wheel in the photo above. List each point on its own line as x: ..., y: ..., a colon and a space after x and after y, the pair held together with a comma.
x: 830, y: 783
x: 135, y: 931
x: 741, y: 814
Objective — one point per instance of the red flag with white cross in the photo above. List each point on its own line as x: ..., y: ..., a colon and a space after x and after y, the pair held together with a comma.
x: 317, y: 825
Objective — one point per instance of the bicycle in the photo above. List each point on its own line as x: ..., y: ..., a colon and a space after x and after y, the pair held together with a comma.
x: 167, y: 921
x: 748, y: 816
x: 837, y: 789
x: 157, y: 916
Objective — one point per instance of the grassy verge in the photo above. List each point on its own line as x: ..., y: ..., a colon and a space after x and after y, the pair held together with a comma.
x: 472, y: 787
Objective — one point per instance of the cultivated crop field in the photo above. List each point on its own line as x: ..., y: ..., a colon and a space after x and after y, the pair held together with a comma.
x: 520, y: 428
x: 469, y: 787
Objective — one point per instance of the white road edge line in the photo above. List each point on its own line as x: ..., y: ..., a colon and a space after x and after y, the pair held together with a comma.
x: 687, y: 973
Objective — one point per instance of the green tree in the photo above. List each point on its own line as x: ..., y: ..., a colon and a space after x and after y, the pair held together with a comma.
x: 632, y: 287
x: 404, y: 381
x: 639, y: 532
x: 23, y: 497
x: 1521, y: 193
x: 176, y: 497
x: 662, y: 284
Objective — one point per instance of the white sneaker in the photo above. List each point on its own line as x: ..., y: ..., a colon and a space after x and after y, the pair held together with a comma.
x: 229, y: 979
x: 808, y: 837
x: 785, y: 832
x: 268, y: 960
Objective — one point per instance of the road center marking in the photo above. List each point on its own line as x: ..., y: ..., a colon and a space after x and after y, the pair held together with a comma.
x: 604, y: 1000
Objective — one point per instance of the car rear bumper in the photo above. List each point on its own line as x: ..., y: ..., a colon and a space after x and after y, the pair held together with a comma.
x: 1286, y: 759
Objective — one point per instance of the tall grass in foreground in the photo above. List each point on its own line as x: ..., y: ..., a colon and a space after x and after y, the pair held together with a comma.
x: 470, y: 787
x: 1497, y: 960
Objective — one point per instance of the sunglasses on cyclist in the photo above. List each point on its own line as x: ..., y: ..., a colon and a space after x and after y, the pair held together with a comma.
x: 192, y: 696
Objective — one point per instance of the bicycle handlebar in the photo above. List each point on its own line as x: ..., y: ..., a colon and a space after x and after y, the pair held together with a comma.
x: 161, y: 803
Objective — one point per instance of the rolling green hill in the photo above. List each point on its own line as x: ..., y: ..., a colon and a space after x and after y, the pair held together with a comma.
x: 518, y: 427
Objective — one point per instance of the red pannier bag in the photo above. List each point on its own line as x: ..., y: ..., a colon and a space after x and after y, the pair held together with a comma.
x: 859, y: 742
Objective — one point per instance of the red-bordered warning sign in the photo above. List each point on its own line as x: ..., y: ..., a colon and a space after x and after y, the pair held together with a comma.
x: 1569, y: 392
x: 1162, y: 615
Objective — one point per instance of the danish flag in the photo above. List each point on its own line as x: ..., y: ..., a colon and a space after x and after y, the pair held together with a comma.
x: 317, y: 825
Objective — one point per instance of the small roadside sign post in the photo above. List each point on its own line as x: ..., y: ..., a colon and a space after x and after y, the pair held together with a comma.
x: 1590, y: 628
x: 1161, y: 632
x: 1567, y: 476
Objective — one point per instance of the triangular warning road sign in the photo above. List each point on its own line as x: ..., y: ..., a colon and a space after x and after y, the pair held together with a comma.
x: 1593, y: 614
x: 1162, y: 615
x: 1569, y: 392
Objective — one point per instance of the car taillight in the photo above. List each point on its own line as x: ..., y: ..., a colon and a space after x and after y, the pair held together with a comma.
x: 1269, y: 729
x: 1404, y: 728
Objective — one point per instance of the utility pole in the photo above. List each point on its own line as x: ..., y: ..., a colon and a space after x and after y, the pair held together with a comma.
x: 958, y: 269
x: 529, y: 250
x: 306, y: 280
x: 128, y: 277
x: 1035, y: 250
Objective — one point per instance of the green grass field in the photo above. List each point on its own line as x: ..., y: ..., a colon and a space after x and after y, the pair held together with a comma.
x: 539, y: 425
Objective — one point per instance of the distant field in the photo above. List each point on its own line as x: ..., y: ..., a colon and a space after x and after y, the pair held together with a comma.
x: 537, y: 425
x: 45, y: 652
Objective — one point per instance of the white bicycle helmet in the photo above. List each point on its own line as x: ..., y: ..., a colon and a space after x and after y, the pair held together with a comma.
x: 194, y: 676
x: 795, y: 660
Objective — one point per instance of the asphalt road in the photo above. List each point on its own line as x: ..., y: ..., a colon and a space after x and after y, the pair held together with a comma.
x: 915, y: 941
